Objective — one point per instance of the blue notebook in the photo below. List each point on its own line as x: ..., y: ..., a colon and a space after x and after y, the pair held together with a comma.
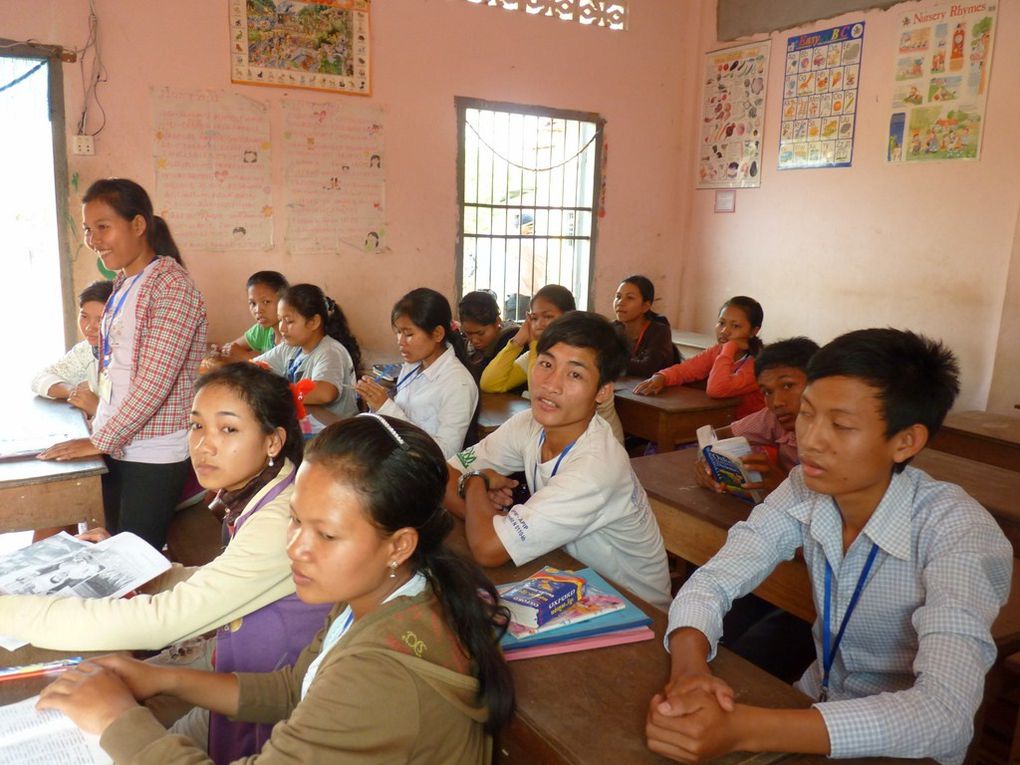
x: 630, y: 616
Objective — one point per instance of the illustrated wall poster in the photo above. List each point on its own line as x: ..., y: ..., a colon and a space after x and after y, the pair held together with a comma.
x: 820, y: 98
x: 322, y: 45
x: 334, y: 169
x: 943, y: 63
x: 212, y: 153
x: 733, y: 112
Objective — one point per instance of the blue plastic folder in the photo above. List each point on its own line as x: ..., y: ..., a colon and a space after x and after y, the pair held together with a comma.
x: 629, y: 617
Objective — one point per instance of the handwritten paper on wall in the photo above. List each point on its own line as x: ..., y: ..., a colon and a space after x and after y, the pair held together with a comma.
x: 943, y: 62
x: 733, y: 111
x: 334, y: 162
x: 213, y: 169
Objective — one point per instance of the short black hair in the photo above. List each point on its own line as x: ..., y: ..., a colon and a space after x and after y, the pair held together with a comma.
x: 272, y: 279
x: 584, y: 329
x: 98, y: 292
x: 793, y: 352
x: 479, y: 306
x: 917, y: 378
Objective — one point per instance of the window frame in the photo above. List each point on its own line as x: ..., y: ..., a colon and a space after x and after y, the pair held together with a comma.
x: 52, y: 55
x: 462, y: 104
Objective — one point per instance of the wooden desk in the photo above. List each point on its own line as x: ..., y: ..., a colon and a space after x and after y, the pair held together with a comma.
x: 588, y: 708
x: 585, y: 708
x: 671, y: 417
x: 36, y: 494
x: 496, y: 408
x: 996, y: 488
x: 981, y: 436
x: 694, y: 523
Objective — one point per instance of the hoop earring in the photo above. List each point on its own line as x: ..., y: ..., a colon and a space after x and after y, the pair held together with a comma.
x: 393, y: 569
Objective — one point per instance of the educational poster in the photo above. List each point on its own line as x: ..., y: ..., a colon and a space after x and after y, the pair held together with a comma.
x: 213, y: 182
x: 943, y: 62
x: 323, y: 45
x: 334, y: 164
x: 820, y: 98
x: 733, y: 112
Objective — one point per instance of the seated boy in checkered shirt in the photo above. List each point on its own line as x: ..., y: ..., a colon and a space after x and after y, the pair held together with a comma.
x: 907, y: 573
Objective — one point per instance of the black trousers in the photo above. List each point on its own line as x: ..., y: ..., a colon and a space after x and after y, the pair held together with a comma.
x: 140, y: 497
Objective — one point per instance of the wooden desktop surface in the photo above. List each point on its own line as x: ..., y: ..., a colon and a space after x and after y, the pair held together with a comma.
x: 584, y: 708
x: 981, y: 436
x: 672, y: 416
x: 694, y: 522
x: 588, y: 708
x: 38, y: 494
x: 496, y: 408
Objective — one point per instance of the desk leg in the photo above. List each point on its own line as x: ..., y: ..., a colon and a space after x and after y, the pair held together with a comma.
x: 665, y: 439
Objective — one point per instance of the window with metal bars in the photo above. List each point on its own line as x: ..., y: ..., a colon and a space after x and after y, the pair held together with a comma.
x: 528, y: 186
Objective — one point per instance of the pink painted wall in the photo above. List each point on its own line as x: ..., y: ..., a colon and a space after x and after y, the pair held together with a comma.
x: 926, y: 247
x: 425, y: 53
x: 922, y: 247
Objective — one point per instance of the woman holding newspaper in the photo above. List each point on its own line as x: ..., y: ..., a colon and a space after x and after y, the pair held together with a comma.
x: 245, y: 443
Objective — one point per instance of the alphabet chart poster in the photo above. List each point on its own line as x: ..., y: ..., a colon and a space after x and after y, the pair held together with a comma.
x: 334, y: 164
x: 733, y: 112
x: 820, y: 98
x: 213, y: 179
x: 943, y: 63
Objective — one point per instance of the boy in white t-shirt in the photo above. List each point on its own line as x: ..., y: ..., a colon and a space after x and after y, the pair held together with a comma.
x: 584, y: 495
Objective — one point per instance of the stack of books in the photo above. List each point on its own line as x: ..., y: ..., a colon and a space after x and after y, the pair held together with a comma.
x: 601, y: 617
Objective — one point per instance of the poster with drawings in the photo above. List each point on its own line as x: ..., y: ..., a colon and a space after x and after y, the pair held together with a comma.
x: 820, y: 98
x: 943, y: 62
x: 334, y: 167
x: 212, y: 153
x: 323, y: 45
x: 733, y: 112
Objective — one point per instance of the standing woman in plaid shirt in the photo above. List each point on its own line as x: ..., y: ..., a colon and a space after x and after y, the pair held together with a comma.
x: 152, y: 341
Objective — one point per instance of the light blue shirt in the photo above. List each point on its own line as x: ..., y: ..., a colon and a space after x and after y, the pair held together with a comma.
x: 909, y: 674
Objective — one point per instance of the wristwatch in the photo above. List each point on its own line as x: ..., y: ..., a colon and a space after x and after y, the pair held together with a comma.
x: 465, y: 477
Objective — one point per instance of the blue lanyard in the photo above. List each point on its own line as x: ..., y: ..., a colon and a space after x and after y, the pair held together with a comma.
x: 112, y: 317
x: 829, y: 653
x: 292, y: 366
x: 564, y: 453
x: 407, y: 379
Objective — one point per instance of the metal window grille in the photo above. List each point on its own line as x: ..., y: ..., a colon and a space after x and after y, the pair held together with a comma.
x: 611, y: 14
x: 528, y: 189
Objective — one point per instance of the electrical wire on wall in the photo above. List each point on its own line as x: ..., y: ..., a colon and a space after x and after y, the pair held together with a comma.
x: 97, y: 74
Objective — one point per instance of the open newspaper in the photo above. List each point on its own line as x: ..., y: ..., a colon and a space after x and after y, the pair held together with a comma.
x: 63, y: 566
x: 32, y: 737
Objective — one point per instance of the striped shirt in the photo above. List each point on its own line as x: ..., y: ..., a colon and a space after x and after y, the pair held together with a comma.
x: 909, y: 674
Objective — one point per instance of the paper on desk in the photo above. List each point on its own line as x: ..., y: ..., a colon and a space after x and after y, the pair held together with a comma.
x: 22, y: 445
x: 32, y: 737
x: 110, y: 569
x: 11, y: 643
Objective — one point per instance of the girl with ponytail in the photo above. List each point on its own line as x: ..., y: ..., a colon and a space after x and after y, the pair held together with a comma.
x: 409, y: 664
x: 434, y: 389
x: 728, y: 367
x: 317, y: 345
x: 152, y: 339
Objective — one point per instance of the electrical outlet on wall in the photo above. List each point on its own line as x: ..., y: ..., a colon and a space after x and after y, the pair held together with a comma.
x: 84, y: 145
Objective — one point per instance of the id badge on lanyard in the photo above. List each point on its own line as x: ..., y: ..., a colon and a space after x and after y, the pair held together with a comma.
x: 104, y: 386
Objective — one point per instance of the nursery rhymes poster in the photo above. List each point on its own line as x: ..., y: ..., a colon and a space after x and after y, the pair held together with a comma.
x: 941, y: 75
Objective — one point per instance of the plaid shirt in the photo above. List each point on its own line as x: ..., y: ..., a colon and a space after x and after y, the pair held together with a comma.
x: 909, y: 674
x: 169, y: 343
